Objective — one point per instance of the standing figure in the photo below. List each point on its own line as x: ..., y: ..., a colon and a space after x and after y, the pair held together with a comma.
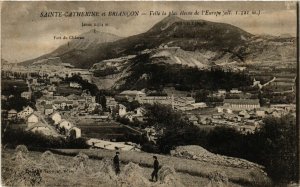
x: 117, y: 163
x: 155, y: 167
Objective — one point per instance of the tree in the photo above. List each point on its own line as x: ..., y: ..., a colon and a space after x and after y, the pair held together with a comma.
x: 101, y: 99
x: 280, y: 141
x: 201, y: 96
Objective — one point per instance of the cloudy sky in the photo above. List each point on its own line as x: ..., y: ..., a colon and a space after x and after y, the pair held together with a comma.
x: 26, y: 35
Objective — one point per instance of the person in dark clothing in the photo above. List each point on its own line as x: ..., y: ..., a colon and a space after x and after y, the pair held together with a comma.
x: 117, y: 163
x: 155, y: 167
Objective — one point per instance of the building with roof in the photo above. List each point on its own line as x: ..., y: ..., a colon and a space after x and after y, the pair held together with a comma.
x: 26, y: 95
x: 56, y: 117
x: 122, y: 110
x: 25, y: 112
x: 131, y: 95
x: 241, y: 104
x: 32, y: 119
x: 40, y: 128
x: 235, y: 91
x: 111, y: 145
x: 12, y: 114
x: 62, y: 104
x: 65, y: 124
x: 75, y: 85
x: 164, y: 100
x: 48, y: 109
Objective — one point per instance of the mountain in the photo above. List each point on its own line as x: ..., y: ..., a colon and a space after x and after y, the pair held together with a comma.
x: 91, y: 39
x: 200, y: 43
x: 189, y: 35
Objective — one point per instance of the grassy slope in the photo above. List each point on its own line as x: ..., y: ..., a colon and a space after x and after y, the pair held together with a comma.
x: 66, y: 174
x: 250, y: 177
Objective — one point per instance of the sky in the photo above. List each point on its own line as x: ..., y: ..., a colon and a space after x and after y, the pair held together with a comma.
x: 25, y: 35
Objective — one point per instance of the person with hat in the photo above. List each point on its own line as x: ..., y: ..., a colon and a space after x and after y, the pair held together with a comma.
x: 117, y: 163
x: 155, y: 167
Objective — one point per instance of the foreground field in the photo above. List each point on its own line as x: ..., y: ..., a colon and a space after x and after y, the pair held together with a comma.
x: 94, y: 168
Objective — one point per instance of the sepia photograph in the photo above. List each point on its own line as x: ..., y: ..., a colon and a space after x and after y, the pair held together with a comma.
x: 150, y: 93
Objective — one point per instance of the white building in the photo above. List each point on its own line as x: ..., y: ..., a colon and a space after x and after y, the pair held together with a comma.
x: 75, y: 85
x: 235, y: 91
x: 56, y: 117
x: 112, y: 145
x: 241, y: 104
x: 32, y: 119
x: 25, y: 112
x: 131, y: 95
x: 26, y: 95
x: 122, y: 110
x: 260, y: 113
x: 65, y: 124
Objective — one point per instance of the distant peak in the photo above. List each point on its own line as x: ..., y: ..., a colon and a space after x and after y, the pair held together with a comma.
x: 93, y: 31
x: 171, y: 18
x: 165, y: 23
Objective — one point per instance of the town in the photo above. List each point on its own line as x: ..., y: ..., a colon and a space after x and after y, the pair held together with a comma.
x: 64, y: 102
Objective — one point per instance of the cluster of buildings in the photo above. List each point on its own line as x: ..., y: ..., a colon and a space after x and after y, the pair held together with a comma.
x: 84, y: 103
x: 64, y: 126
x: 137, y: 114
x: 53, y: 125
x: 182, y: 103
x: 55, y: 111
x: 244, y: 115
x: 30, y: 121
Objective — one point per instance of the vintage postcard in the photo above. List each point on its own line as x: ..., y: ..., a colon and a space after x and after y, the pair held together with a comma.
x: 149, y: 93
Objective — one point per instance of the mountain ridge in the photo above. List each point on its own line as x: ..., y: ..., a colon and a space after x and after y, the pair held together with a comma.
x: 172, y: 31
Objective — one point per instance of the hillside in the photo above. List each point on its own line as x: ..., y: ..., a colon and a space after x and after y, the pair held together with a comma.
x: 94, y: 168
x: 168, y: 66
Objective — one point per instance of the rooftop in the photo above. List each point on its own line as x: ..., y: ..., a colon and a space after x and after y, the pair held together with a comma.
x: 242, y: 101
x: 131, y: 92
x: 48, y: 106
